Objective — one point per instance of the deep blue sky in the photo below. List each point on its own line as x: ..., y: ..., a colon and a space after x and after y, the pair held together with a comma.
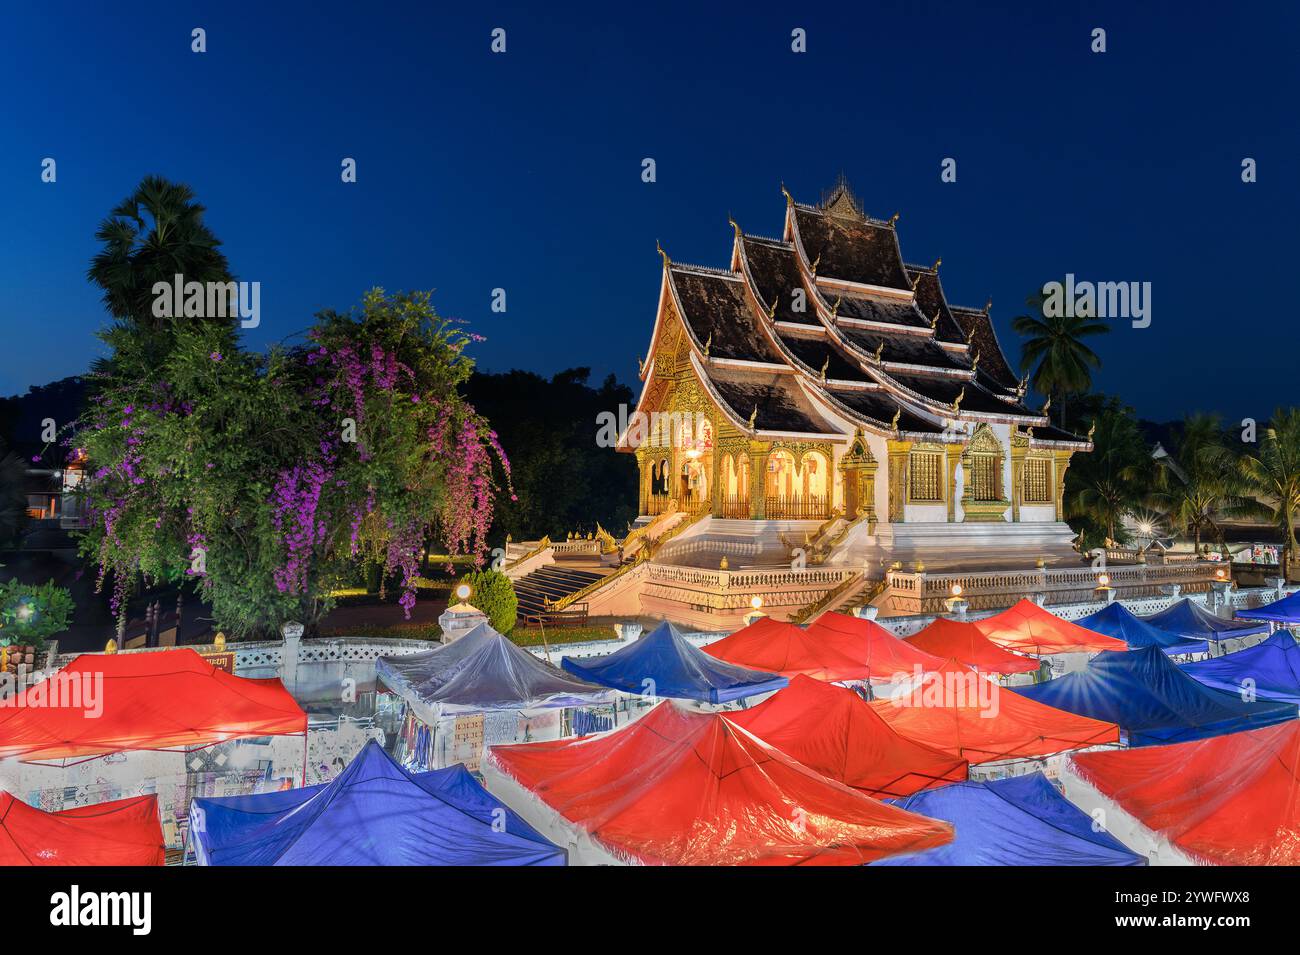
x: 523, y: 170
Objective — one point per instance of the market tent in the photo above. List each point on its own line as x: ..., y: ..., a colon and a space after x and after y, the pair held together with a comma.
x: 373, y: 813
x: 1116, y: 620
x: 777, y: 647
x: 122, y: 832
x: 163, y: 700
x: 1153, y: 700
x: 961, y: 712
x: 953, y: 639
x: 834, y: 731
x: 1191, y: 621
x: 1266, y: 671
x: 1027, y: 628
x: 681, y: 787
x: 1226, y: 800
x: 887, y: 657
x: 483, y: 671
x: 1023, y: 820
x: 663, y: 663
x: 1286, y: 610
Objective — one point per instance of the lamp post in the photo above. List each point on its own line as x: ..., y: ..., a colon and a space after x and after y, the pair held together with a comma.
x: 756, y: 613
x: 1104, y: 591
x: 1221, y: 584
x: 956, y: 605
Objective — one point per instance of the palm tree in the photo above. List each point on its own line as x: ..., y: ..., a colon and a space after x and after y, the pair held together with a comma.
x: 1057, y: 360
x: 1202, y: 482
x: 1274, y: 475
x: 1110, y: 482
x: 153, y: 235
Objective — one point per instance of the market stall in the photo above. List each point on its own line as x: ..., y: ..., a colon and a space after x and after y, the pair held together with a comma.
x: 124, y: 832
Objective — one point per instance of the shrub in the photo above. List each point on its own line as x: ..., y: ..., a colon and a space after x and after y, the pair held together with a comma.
x: 31, y: 612
x: 494, y: 594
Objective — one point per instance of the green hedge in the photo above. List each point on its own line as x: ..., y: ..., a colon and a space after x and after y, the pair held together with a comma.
x: 494, y: 594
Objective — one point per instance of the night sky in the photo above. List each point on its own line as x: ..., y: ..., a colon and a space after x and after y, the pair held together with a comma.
x: 523, y: 170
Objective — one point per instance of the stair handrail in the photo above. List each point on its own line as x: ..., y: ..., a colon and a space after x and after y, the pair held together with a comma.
x: 822, y: 603
x: 591, y: 588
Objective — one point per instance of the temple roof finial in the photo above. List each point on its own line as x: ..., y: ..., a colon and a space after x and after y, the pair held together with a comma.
x: 893, y: 220
x: 734, y: 227
x: 660, y: 249
x: 898, y: 413
x: 937, y: 262
x: 789, y: 199
x: 753, y: 417
x: 956, y: 403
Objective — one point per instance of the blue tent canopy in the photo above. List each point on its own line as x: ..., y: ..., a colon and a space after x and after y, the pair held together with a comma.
x: 1153, y: 700
x: 1115, y: 620
x: 1272, y: 669
x: 1191, y: 621
x: 373, y: 813
x: 1286, y: 610
x: 1018, y: 821
x: 662, y: 663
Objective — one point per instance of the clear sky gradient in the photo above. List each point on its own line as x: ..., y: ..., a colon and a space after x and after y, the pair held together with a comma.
x: 523, y: 171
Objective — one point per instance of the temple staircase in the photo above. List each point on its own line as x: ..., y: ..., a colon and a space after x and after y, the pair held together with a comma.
x: 552, y: 582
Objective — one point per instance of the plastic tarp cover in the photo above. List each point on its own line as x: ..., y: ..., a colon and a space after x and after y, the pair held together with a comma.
x: 1023, y: 820
x: 1116, y: 620
x: 663, y: 663
x: 169, y: 699
x: 680, y: 787
x: 954, y: 639
x: 1266, y: 671
x: 1286, y: 610
x: 373, y: 813
x: 961, y: 712
x: 834, y: 731
x: 1027, y: 628
x: 1193, y: 622
x: 777, y: 647
x: 123, y: 832
x: 888, y: 658
x: 1153, y: 700
x: 483, y: 671
x: 1227, y: 800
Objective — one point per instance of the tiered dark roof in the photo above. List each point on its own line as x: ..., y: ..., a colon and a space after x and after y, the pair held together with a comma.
x: 875, y: 341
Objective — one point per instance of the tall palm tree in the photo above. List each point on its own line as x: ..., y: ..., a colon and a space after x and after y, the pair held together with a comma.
x: 1273, y: 473
x: 1058, y: 362
x: 1110, y: 482
x: 154, y: 234
x: 1202, y: 482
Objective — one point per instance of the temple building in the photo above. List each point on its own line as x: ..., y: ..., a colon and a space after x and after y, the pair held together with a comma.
x: 822, y: 391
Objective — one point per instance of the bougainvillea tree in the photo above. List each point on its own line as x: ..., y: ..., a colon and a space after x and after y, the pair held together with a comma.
x: 271, y: 478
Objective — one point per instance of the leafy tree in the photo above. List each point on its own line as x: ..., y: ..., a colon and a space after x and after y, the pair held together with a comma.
x: 563, y: 480
x: 31, y: 612
x: 1273, y: 474
x: 1109, y: 482
x: 1054, y: 354
x: 1201, y: 482
x: 271, y: 479
x: 494, y: 594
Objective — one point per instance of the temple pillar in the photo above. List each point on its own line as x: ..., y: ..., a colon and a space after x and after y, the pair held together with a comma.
x: 1019, y: 448
x: 952, y: 455
x: 898, y: 452
x: 715, y: 483
x: 758, y: 482
x: 643, y: 466
x: 1062, y: 462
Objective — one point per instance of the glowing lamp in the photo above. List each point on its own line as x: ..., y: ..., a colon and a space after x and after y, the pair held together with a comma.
x: 463, y: 592
x: 956, y: 590
x: 1103, y: 580
x: 756, y: 602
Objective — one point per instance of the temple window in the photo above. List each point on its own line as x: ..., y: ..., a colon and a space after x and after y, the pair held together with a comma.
x: 925, y: 477
x: 985, y: 473
x: 1038, y: 481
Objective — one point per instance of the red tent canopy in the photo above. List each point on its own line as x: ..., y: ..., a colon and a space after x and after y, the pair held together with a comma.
x: 834, y: 731
x: 1029, y: 628
x: 679, y: 787
x: 775, y: 647
x: 961, y: 712
x: 1230, y: 800
x: 125, y: 832
x: 171, y: 699
x: 867, y: 641
x: 952, y: 639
